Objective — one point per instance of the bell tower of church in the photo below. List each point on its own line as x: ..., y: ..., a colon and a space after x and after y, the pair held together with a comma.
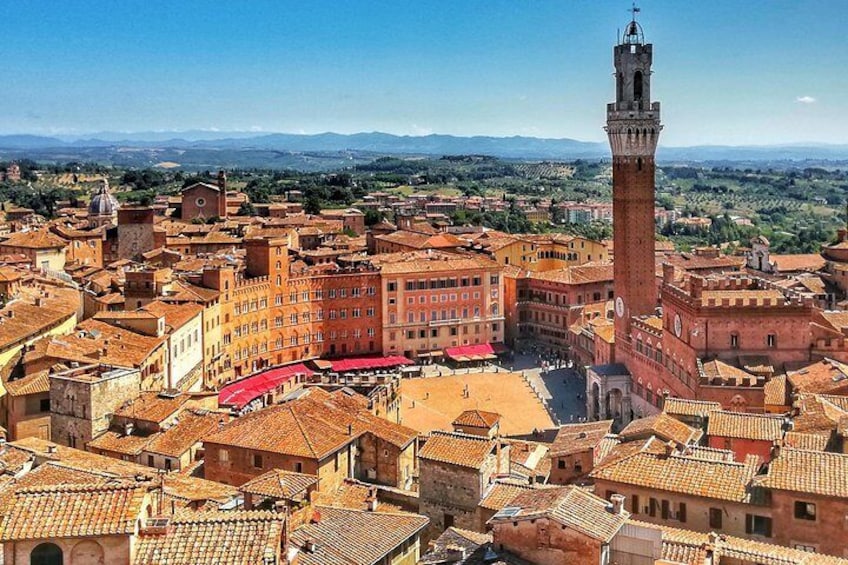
x: 633, y: 127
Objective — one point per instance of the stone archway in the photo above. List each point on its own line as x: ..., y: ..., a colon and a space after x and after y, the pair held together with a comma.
x: 46, y: 554
x: 614, y: 404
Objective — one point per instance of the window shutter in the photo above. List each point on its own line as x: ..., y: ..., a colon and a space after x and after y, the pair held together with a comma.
x: 749, y: 523
x: 634, y: 504
x: 652, y: 507
x: 768, y: 527
x: 665, y: 510
x: 681, y: 512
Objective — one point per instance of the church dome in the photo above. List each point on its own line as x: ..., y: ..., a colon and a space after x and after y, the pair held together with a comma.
x: 103, y: 203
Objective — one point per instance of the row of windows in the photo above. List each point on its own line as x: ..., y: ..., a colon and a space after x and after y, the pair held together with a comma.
x: 250, y: 306
x: 433, y: 284
x: 436, y: 332
x: 192, y: 339
x: 304, y: 296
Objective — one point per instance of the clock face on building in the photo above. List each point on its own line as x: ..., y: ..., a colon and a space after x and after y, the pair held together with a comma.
x: 678, y: 325
x: 619, y: 307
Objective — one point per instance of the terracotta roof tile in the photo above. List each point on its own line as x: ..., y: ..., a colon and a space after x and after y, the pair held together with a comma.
x: 189, y: 429
x: 501, y: 493
x: 576, y: 438
x: 279, y: 484
x: 569, y: 506
x: 741, y: 425
x: 691, y: 548
x: 810, y: 472
x: 153, y: 406
x: 38, y: 239
x: 825, y: 376
x: 477, y: 547
x: 72, y: 511
x: 212, y: 538
x: 457, y: 449
x: 353, y: 495
x: 354, y: 537
x: 477, y: 419
x: 686, y: 407
x: 663, y: 426
x: 311, y: 426
x: 775, y: 391
x: 722, y: 480
x: 808, y: 441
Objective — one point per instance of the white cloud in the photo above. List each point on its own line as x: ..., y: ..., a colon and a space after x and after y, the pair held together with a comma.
x: 421, y: 130
x: 805, y: 100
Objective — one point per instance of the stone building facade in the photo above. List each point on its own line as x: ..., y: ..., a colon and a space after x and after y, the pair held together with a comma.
x: 82, y: 400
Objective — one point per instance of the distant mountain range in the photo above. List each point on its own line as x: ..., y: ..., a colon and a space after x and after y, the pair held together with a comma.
x: 376, y: 143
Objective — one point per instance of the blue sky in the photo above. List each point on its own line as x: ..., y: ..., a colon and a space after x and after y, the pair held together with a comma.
x: 726, y: 71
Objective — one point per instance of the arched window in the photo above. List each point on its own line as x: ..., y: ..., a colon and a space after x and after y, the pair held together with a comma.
x: 87, y: 552
x: 46, y: 554
x: 637, y: 86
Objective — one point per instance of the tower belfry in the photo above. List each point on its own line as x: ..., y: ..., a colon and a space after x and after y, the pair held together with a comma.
x: 633, y: 127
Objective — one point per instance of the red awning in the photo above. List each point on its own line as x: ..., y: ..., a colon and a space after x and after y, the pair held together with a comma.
x: 372, y: 362
x: 475, y: 352
x: 240, y: 393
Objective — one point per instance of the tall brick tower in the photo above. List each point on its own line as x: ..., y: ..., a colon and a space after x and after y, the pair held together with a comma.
x: 633, y: 127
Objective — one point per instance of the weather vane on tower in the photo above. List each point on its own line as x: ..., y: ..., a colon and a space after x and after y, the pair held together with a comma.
x: 634, y: 10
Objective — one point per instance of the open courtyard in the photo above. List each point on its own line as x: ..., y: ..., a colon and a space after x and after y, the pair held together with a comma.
x: 432, y: 403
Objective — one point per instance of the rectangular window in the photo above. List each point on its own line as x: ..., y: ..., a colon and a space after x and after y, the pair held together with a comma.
x: 715, y: 518
x: 391, y: 286
x: 665, y: 510
x: 758, y: 525
x: 223, y: 455
x: 634, y: 504
x: 653, y: 504
x: 560, y: 464
x: 805, y: 510
x: 681, y: 512
x: 771, y: 340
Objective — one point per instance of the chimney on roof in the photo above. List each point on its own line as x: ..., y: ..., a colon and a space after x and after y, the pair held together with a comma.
x: 775, y: 449
x: 350, y: 429
x: 51, y: 448
x: 617, y: 501
x: 128, y: 428
x: 10, y: 313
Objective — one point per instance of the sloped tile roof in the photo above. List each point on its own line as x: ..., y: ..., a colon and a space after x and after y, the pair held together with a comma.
x: 686, y: 407
x: 477, y: 419
x: 457, y: 449
x: 569, y: 506
x: 721, y: 480
x: 354, y: 537
x: 811, y: 472
x: 741, y: 425
x: 212, y: 538
x: 663, y: 426
x: 279, y: 484
x: 72, y: 511
x: 576, y: 438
